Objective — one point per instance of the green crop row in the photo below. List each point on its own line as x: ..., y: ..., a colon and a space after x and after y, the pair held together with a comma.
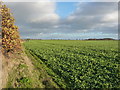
x: 82, y: 64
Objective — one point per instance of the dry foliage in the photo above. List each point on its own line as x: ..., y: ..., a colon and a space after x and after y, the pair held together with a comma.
x: 10, y: 35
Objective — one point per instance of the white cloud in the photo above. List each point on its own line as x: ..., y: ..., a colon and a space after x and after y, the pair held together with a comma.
x: 94, y: 17
x: 111, y: 17
x: 34, y: 12
x: 43, y: 12
x: 45, y: 18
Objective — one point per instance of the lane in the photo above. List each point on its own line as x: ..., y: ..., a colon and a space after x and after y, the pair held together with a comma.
x: 0, y: 68
x: 0, y: 63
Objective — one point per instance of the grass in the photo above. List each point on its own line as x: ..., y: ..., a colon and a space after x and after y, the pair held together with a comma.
x: 28, y: 75
x: 19, y: 77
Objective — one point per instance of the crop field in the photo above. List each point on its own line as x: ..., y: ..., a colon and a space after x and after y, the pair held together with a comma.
x: 79, y: 64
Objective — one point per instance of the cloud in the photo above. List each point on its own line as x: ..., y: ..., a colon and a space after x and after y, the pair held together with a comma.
x: 34, y: 17
x: 34, y: 12
x: 91, y: 16
x: 111, y: 17
x: 40, y: 20
x: 61, y: 0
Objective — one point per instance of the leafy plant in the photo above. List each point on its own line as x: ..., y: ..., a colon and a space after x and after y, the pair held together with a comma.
x: 79, y: 64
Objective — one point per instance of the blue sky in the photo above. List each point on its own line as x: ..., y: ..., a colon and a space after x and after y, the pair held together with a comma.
x: 66, y: 20
x: 64, y: 9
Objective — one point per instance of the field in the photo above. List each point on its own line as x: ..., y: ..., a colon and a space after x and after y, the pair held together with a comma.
x: 78, y: 64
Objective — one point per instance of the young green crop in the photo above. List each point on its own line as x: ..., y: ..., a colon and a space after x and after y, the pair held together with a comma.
x: 79, y: 64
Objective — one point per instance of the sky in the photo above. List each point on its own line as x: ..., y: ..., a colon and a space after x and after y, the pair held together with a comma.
x: 66, y: 20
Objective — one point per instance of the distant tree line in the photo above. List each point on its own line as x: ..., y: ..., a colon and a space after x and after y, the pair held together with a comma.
x: 71, y: 39
x: 102, y: 39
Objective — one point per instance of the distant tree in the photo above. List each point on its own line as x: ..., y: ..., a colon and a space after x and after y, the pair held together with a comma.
x: 28, y: 39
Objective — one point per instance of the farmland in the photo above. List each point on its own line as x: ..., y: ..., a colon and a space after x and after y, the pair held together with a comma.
x: 78, y: 64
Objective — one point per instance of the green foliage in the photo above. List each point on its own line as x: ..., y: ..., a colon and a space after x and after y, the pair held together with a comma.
x: 22, y: 66
x: 79, y: 64
x: 24, y: 80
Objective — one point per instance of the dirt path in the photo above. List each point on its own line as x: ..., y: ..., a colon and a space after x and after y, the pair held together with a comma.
x: 17, y: 70
x: 0, y: 64
x: 0, y: 70
x: 5, y: 68
x: 28, y: 63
